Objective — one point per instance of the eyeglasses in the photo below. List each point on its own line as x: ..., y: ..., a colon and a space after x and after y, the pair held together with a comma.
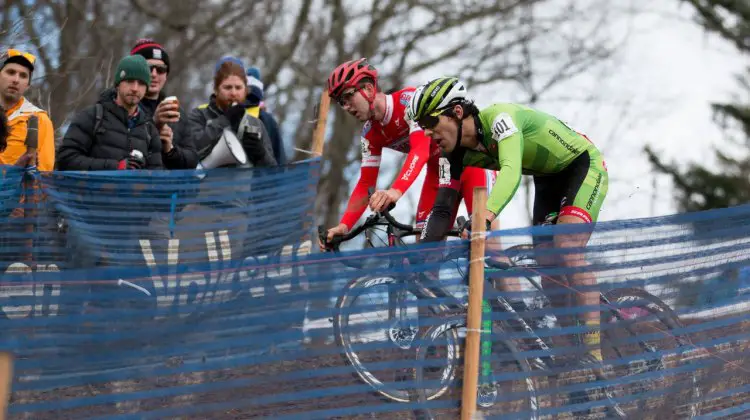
x: 345, y: 97
x: 159, y: 68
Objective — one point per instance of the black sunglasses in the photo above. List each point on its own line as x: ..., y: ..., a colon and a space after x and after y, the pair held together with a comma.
x: 159, y: 68
x: 428, y: 122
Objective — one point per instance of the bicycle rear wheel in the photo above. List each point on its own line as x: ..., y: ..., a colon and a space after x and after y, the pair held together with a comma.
x: 639, y: 339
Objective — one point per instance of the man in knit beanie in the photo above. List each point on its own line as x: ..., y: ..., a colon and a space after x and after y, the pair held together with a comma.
x: 180, y: 153
x: 131, y: 69
x: 30, y: 137
x: 114, y: 134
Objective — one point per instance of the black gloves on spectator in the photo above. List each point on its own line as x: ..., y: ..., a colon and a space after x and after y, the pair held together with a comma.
x: 252, y: 142
x: 235, y: 113
x: 132, y: 162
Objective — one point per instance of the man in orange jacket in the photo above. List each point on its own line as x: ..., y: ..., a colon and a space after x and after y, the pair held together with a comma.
x: 30, y: 138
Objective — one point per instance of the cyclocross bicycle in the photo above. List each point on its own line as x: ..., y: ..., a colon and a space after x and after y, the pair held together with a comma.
x: 636, y: 336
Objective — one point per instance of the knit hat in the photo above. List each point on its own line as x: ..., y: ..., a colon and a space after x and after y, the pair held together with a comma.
x: 18, y: 57
x: 255, y: 85
x: 150, y: 49
x: 253, y: 71
x: 228, y: 58
x: 133, y: 67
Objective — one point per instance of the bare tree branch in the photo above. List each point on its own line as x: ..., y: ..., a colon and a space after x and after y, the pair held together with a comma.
x: 288, y: 50
x: 163, y: 19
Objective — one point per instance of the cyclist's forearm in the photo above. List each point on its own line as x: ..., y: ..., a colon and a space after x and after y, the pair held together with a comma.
x: 358, y: 201
x: 415, y: 161
x: 509, y: 174
x: 494, y: 244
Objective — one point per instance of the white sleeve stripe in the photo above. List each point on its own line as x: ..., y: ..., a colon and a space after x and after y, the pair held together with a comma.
x: 371, y: 161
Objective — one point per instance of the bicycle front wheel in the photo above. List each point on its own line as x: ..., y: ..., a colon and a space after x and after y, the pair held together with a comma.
x: 376, y: 324
x: 640, y: 329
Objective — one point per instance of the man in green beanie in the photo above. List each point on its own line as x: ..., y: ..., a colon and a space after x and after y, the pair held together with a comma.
x: 132, y: 78
x: 115, y: 133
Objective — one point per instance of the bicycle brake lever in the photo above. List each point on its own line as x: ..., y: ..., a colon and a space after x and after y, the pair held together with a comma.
x: 323, y: 235
x: 371, y: 191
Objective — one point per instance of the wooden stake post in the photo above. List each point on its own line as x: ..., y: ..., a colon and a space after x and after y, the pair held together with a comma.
x: 319, y: 135
x: 6, y: 381
x: 476, y: 293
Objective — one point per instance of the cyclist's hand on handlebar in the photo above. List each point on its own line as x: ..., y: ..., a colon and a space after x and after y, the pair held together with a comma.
x: 380, y: 200
x: 466, y: 226
x: 341, y: 229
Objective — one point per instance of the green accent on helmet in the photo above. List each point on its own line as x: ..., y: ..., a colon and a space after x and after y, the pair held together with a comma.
x: 435, y: 96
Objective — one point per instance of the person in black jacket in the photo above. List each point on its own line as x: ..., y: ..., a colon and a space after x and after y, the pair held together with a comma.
x: 179, y: 153
x: 114, y: 133
x: 227, y: 107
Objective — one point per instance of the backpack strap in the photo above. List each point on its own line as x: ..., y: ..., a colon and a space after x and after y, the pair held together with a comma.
x: 148, y: 132
x: 99, y: 112
x: 32, y: 133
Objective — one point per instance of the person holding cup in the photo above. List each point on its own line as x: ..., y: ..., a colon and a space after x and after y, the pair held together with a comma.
x: 178, y: 150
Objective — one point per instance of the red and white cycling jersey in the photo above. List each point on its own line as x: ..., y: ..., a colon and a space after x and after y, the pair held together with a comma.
x: 394, y: 132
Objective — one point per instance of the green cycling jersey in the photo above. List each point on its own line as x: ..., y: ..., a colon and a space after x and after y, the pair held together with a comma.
x: 514, y: 140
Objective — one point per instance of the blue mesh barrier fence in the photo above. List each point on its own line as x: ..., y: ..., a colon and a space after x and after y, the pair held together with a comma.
x: 163, y: 295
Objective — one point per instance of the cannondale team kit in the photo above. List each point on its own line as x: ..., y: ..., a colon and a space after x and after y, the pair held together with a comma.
x: 570, y: 176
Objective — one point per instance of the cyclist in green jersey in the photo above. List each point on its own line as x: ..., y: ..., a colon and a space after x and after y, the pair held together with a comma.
x: 570, y: 176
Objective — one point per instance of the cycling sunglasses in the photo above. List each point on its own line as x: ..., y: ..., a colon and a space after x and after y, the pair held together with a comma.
x: 429, y: 121
x: 159, y: 68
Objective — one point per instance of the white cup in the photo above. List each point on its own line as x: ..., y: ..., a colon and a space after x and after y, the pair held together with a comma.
x: 175, y: 100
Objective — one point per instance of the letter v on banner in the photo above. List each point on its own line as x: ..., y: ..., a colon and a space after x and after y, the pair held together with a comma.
x: 226, y: 246
x: 218, y: 275
x: 173, y: 256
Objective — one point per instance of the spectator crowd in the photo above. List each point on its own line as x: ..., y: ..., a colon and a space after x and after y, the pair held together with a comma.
x: 135, y: 124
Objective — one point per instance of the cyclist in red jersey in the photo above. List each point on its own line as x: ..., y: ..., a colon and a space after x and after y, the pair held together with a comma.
x: 354, y: 86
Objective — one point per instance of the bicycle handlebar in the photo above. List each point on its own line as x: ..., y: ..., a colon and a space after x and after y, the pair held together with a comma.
x: 375, y: 219
x: 371, y: 221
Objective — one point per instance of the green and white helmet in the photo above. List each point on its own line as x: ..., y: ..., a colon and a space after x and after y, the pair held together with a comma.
x: 435, y: 96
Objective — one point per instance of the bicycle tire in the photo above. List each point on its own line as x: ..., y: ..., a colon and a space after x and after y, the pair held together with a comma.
x: 502, y: 350
x: 341, y: 325
x: 652, y: 305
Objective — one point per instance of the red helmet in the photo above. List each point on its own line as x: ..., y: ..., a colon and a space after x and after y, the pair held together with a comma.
x: 349, y: 74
